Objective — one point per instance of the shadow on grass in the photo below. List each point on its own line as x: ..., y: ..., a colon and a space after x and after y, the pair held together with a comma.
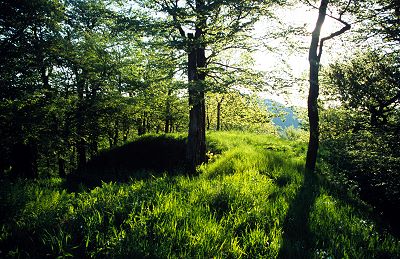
x: 142, y: 159
x: 298, y: 240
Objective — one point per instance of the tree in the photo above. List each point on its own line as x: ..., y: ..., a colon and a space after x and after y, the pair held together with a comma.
x: 380, y: 19
x: 314, y: 57
x: 210, y: 25
x: 28, y: 38
x: 362, y: 128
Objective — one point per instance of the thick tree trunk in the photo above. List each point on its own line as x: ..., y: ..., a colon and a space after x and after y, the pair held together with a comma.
x: 314, y: 59
x: 196, y: 146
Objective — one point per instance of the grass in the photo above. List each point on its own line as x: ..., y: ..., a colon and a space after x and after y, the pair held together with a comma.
x: 252, y: 200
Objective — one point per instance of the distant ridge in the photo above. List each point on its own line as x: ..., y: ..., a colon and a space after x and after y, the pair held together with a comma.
x: 284, y: 116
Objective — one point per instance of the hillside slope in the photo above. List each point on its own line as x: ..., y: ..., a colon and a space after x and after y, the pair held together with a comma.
x: 284, y: 116
x: 251, y: 200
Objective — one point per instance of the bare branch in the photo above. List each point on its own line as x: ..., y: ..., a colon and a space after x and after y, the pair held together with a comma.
x: 346, y: 27
x: 345, y: 9
x: 227, y: 66
x: 310, y: 4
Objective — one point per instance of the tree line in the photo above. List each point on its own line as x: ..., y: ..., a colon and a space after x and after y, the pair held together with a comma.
x: 81, y: 76
x: 78, y: 77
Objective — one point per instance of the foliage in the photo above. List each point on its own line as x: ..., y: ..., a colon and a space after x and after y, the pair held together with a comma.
x: 379, y: 22
x: 241, y: 205
x: 361, y: 135
x: 293, y: 133
x: 72, y: 84
x: 237, y: 111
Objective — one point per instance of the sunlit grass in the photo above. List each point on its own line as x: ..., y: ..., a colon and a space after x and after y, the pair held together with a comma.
x: 251, y: 200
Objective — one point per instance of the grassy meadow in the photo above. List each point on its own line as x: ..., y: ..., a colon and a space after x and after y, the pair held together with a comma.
x: 252, y: 200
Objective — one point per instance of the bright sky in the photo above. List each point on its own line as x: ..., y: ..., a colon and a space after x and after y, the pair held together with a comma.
x: 297, y: 60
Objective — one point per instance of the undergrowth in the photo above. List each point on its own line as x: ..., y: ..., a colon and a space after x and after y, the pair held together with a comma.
x: 252, y: 200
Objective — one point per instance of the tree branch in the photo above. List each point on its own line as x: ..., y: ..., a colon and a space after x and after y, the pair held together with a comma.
x: 346, y: 27
x: 227, y: 66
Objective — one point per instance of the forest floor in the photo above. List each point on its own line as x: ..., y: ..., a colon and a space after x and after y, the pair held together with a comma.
x: 251, y: 200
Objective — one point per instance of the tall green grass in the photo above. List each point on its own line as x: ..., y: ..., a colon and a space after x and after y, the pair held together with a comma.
x: 252, y: 200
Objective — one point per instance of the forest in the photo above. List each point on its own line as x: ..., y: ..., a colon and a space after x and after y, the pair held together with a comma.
x: 199, y: 129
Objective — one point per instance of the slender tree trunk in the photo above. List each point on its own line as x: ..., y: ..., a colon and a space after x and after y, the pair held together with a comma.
x: 116, y: 134
x: 61, y: 167
x: 94, y: 146
x: 166, y: 127
x: 314, y: 59
x: 80, y: 119
x: 142, y: 125
x: 219, y: 116
x: 45, y: 77
x: 208, y: 119
x: 110, y: 141
x: 168, y: 112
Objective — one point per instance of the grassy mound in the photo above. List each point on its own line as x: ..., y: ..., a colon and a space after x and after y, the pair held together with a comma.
x: 148, y: 156
x: 251, y: 200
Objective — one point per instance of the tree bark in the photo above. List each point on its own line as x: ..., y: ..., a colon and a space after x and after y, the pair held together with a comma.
x: 196, y: 146
x: 312, y: 103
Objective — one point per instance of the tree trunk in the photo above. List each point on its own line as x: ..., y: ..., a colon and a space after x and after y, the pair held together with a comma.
x: 208, y: 119
x: 45, y: 77
x: 166, y: 128
x: 142, y: 125
x: 94, y: 146
x: 61, y: 167
x: 196, y: 146
x: 314, y: 59
x: 168, y: 112
x: 80, y: 119
x: 219, y: 116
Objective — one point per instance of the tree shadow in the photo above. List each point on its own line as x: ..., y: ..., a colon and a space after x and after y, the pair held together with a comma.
x: 298, y: 240
x: 142, y: 159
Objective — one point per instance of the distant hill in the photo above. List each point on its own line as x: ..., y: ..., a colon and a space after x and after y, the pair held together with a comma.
x: 285, y: 116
